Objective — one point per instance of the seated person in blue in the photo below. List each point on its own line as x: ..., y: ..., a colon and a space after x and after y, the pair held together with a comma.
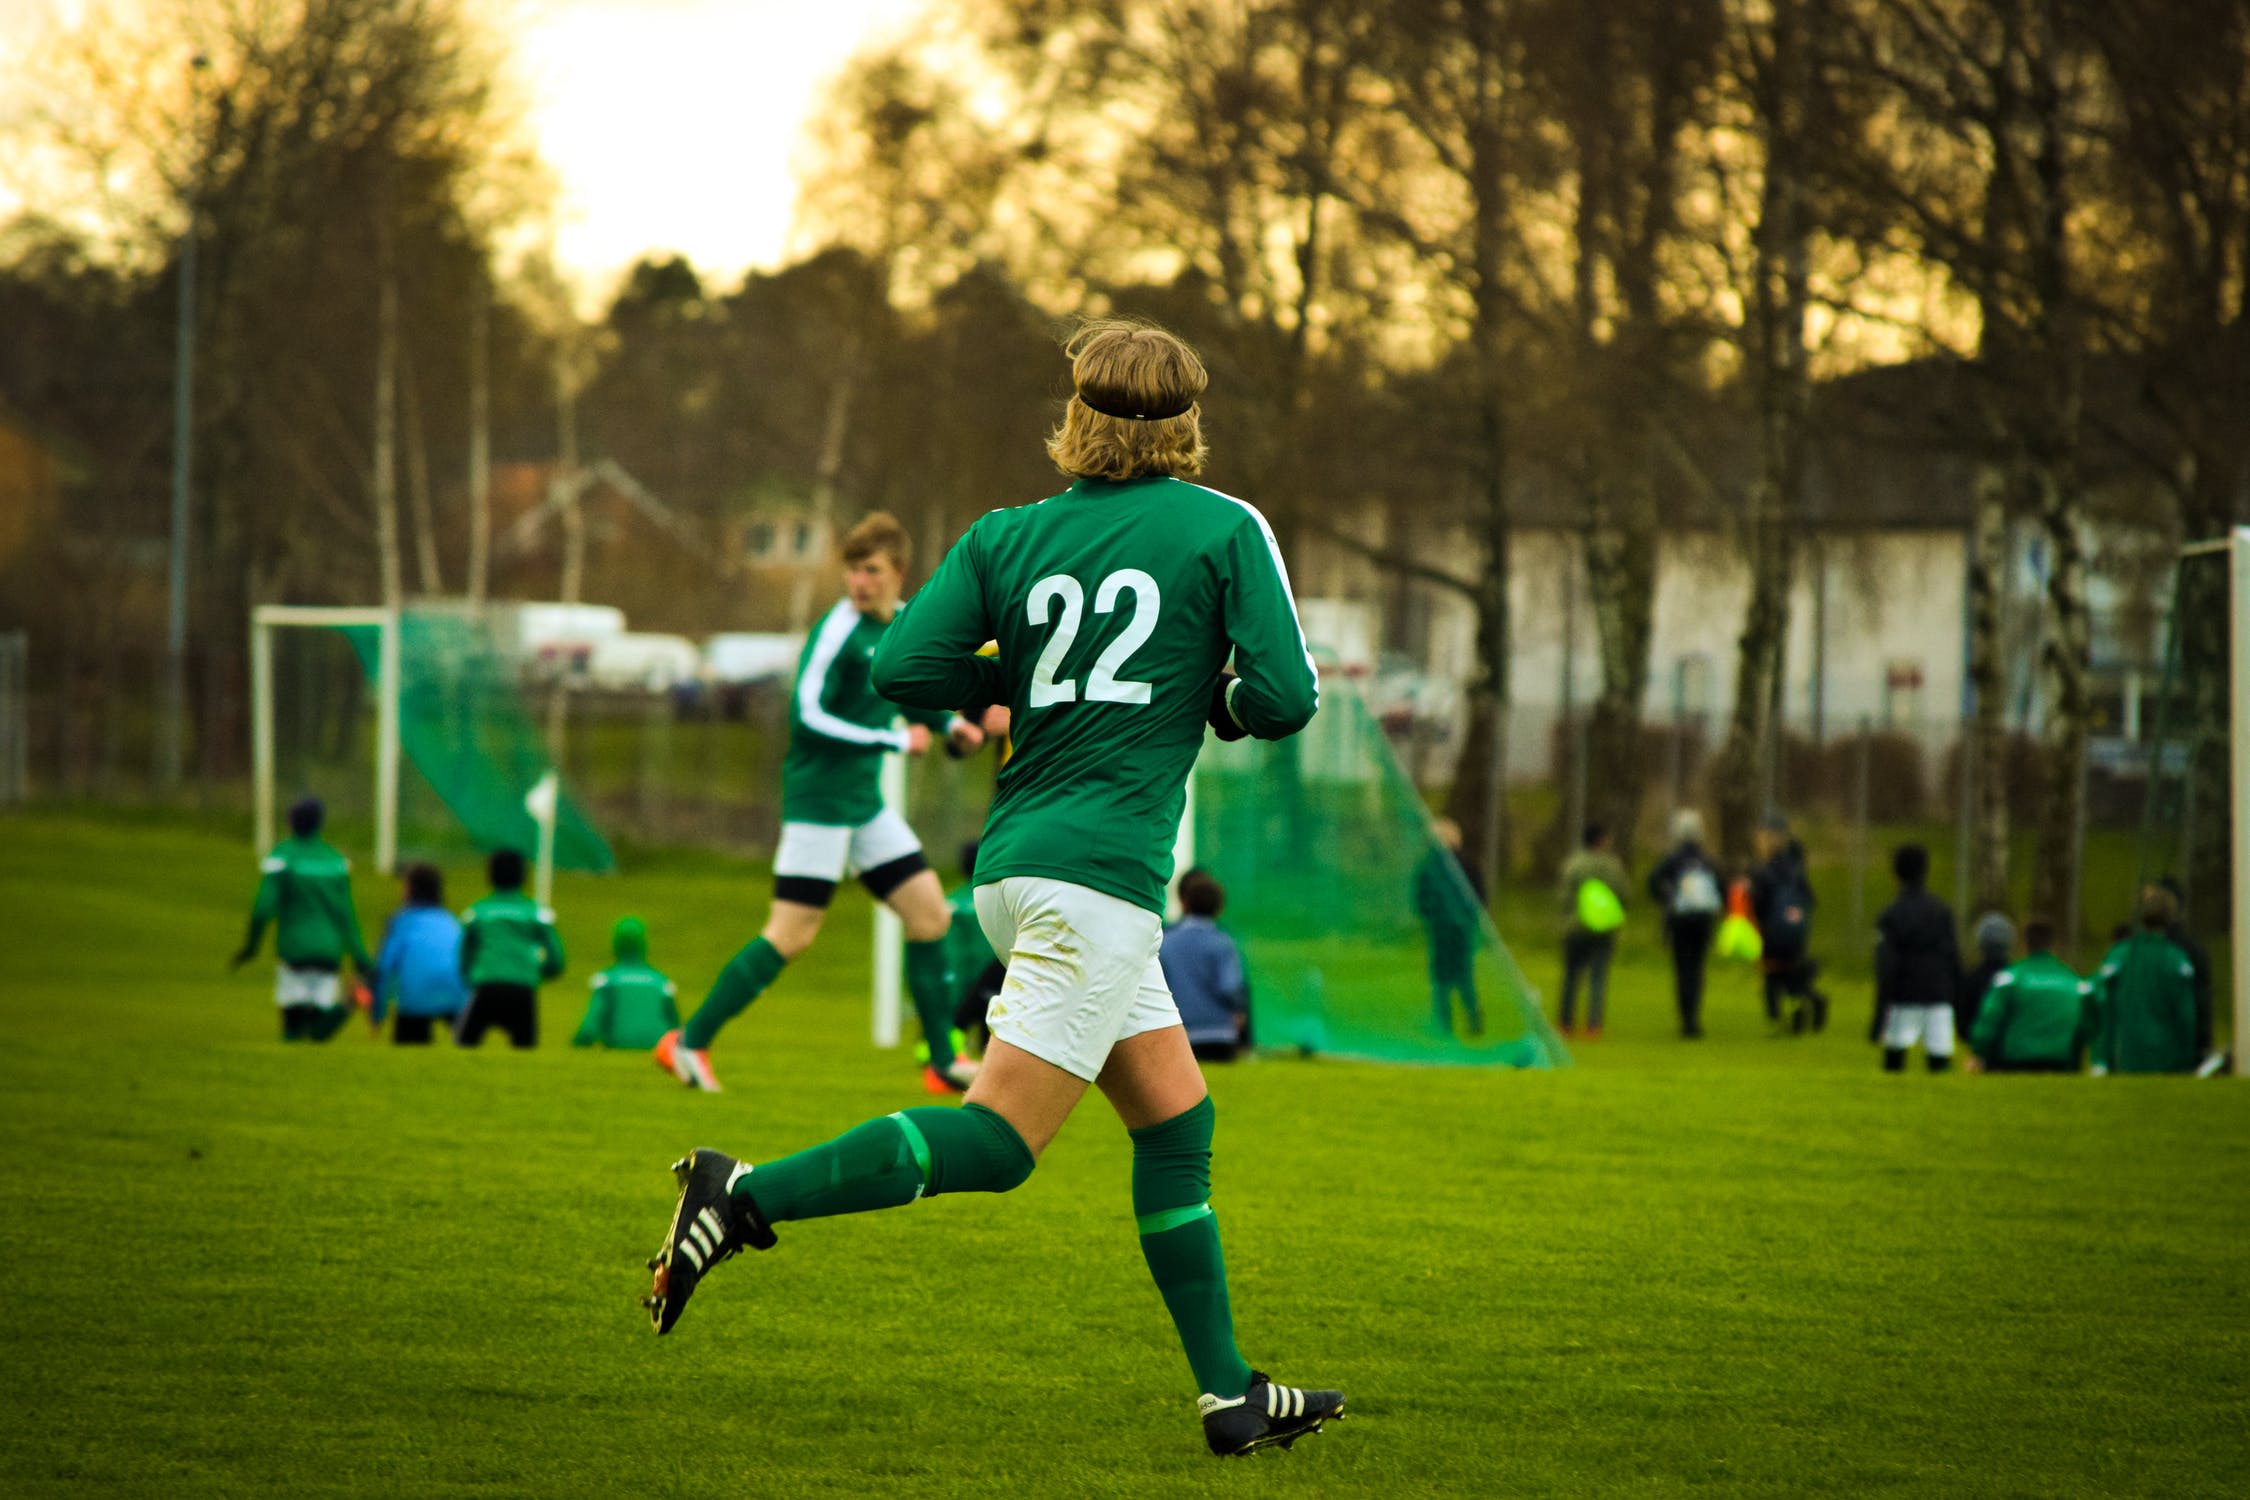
x: 1203, y: 968
x: 419, y: 967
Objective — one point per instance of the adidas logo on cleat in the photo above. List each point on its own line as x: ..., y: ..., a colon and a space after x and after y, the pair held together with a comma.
x: 1266, y: 1416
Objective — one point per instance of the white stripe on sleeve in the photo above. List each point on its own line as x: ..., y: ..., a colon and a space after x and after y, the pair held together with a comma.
x: 1281, y: 571
x: 834, y: 631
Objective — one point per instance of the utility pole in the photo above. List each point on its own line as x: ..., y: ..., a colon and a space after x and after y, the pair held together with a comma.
x: 172, y: 762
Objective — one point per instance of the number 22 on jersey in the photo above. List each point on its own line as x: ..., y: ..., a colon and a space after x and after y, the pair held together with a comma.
x: 1103, y: 684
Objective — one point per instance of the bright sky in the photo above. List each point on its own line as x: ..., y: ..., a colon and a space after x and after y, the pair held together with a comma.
x: 678, y: 124
x: 671, y: 125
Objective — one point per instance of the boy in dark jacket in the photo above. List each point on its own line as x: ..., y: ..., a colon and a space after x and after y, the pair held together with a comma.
x: 1781, y: 902
x: 508, y: 947
x: 1917, y: 967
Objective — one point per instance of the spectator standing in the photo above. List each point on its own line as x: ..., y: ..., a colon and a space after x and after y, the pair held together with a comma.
x: 1449, y: 898
x: 1781, y: 901
x: 633, y: 1003
x: 508, y: 947
x: 1203, y: 968
x: 419, y: 966
x: 1917, y: 967
x: 1591, y: 893
x: 2144, y: 997
x: 2036, y: 1015
x: 1995, y: 938
x: 1688, y: 891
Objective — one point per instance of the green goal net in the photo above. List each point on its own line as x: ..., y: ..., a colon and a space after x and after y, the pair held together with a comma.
x: 472, y: 752
x: 1348, y: 911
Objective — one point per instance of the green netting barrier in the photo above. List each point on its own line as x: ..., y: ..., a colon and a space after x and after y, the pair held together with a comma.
x: 2185, y: 823
x: 471, y: 749
x: 1331, y: 873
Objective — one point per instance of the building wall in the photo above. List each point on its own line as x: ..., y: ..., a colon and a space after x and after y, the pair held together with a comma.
x: 1876, y: 631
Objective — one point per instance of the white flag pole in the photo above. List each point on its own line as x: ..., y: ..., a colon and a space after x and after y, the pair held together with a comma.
x: 541, y: 802
x: 890, y: 933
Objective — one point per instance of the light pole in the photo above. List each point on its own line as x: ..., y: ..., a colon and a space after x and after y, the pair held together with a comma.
x: 174, y: 753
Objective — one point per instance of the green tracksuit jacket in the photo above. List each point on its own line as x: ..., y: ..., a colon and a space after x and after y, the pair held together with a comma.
x: 2144, y: 994
x: 305, y: 891
x: 633, y: 1005
x: 507, y: 938
x: 2035, y: 1011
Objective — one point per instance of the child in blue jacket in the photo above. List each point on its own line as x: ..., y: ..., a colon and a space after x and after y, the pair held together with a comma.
x: 420, y: 963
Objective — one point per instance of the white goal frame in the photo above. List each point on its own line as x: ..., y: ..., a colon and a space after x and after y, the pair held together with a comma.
x: 264, y: 621
x: 2236, y: 545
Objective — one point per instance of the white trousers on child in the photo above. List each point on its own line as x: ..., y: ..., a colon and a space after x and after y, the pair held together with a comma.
x: 1931, y: 1025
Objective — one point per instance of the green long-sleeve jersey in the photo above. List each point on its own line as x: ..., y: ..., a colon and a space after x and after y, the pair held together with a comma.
x: 305, y: 892
x: 2036, y: 1011
x: 508, y: 938
x: 840, y: 726
x: 1115, y: 606
x: 632, y: 1007
x: 2144, y: 994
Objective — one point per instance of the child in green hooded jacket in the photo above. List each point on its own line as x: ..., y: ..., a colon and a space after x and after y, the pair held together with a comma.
x: 633, y: 1004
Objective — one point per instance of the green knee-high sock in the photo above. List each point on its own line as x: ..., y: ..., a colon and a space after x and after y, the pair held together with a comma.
x: 916, y: 1153
x: 929, y: 979
x: 743, y: 980
x: 1180, y: 1240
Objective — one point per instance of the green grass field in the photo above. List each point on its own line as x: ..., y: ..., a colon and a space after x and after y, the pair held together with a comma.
x: 1752, y: 1267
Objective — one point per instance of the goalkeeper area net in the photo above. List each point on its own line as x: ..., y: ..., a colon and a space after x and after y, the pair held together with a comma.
x: 1349, y: 913
x: 413, y: 722
x: 2197, y: 769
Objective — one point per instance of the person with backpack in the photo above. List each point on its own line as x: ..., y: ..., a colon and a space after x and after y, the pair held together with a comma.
x: 1688, y: 892
x: 1591, y: 894
x: 1781, y: 901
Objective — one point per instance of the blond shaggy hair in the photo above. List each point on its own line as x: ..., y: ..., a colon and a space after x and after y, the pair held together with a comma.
x: 878, y: 532
x: 1127, y: 365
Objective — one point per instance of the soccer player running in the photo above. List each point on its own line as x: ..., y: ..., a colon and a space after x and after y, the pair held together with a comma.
x: 833, y: 821
x: 1116, y: 605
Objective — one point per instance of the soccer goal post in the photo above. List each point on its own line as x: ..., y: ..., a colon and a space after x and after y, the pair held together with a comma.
x: 269, y: 618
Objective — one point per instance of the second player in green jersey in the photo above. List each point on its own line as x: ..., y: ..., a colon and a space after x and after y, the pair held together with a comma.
x: 834, y: 824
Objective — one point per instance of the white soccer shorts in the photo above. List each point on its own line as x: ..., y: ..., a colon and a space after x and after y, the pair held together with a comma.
x: 1082, y: 970
x: 321, y: 987
x: 830, y: 851
x: 1931, y: 1025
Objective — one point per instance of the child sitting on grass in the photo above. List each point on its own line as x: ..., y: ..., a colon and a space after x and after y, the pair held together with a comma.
x: 420, y: 963
x: 508, y: 946
x: 305, y: 891
x: 633, y: 1004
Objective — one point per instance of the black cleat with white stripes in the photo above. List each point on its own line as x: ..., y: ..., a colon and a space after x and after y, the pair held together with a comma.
x: 1267, y: 1416
x: 708, y: 1226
